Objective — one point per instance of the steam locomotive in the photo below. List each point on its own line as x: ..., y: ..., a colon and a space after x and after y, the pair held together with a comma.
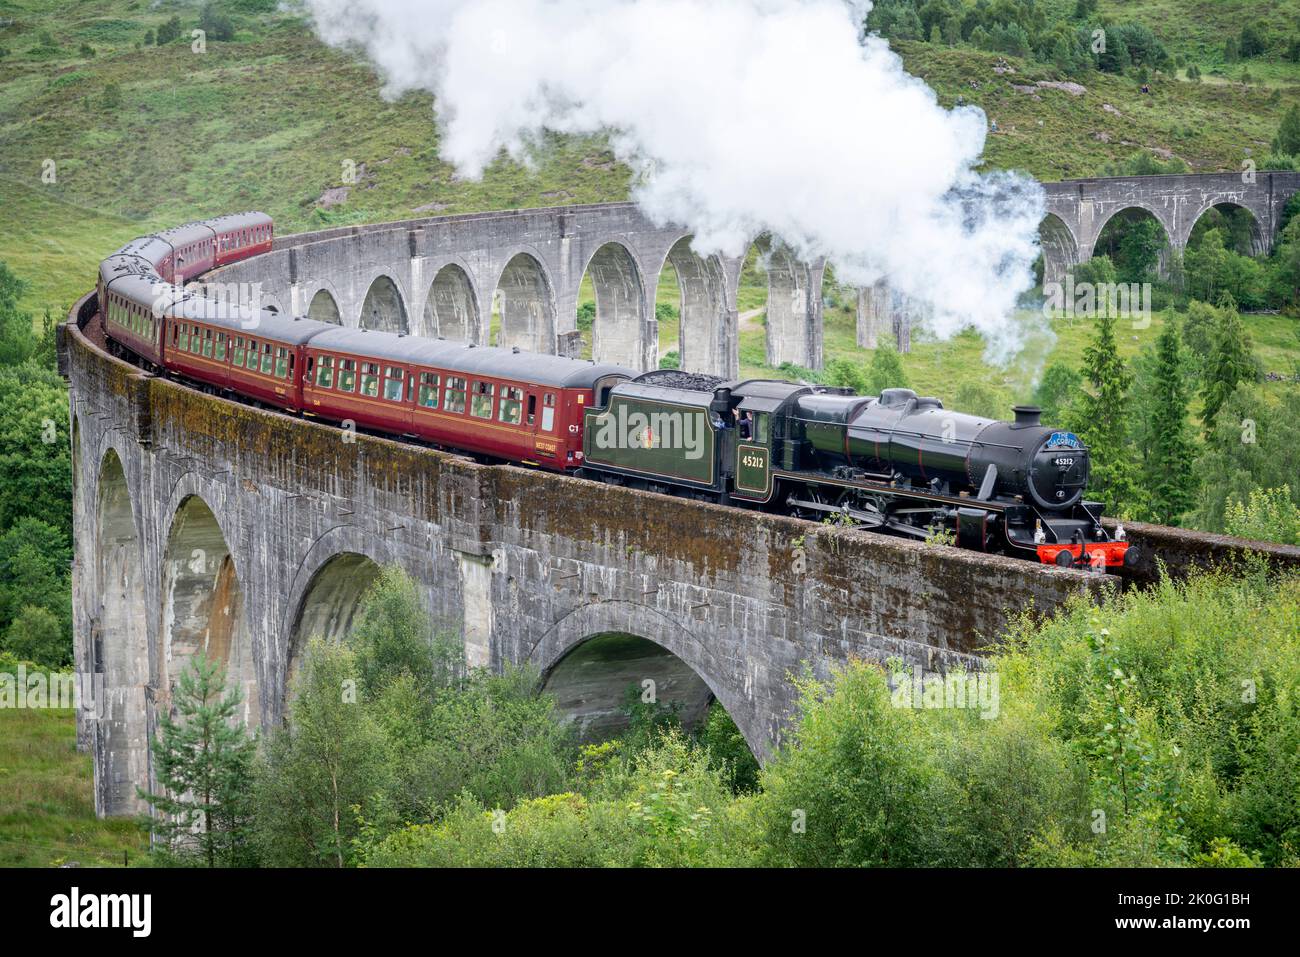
x: 896, y: 462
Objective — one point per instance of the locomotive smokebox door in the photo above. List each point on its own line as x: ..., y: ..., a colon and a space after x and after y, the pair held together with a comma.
x: 973, y: 528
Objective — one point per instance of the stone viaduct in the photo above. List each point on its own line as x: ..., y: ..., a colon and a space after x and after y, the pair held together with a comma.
x: 448, y: 276
x: 1078, y: 210
x: 204, y: 524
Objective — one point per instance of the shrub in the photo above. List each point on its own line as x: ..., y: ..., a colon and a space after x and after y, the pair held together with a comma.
x: 1268, y: 516
x: 169, y: 31
x: 215, y: 24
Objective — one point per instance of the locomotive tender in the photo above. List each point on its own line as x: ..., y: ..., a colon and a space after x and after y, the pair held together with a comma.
x: 897, y: 462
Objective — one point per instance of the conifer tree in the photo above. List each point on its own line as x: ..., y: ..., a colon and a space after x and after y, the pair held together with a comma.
x: 1100, y: 416
x: 1170, y: 477
x: 1231, y: 362
x: 204, y: 764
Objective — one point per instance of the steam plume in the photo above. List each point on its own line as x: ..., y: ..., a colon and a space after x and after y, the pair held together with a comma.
x: 741, y: 116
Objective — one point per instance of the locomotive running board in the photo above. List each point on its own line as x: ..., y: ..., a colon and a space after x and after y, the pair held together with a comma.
x: 991, y: 505
x: 867, y: 520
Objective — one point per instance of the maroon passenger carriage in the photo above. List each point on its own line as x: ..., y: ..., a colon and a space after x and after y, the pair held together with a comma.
x: 499, y: 403
x: 503, y: 403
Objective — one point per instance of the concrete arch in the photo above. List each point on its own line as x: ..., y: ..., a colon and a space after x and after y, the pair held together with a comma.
x: 119, y: 644
x: 330, y: 604
x: 702, y: 308
x: 526, y: 298
x: 793, y: 306
x: 324, y: 307
x: 341, y: 540
x: 451, y: 306
x: 644, y: 622
x: 74, y: 446
x: 1260, y: 241
x: 384, y: 306
x: 1060, y: 248
x: 621, y: 322
x: 203, y: 603
x: 1133, y: 213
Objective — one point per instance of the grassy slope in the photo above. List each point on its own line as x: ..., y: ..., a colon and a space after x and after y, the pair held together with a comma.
x: 46, y: 812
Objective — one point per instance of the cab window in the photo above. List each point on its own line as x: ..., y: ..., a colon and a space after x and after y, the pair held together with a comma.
x: 760, y: 427
x: 481, y: 407
x: 512, y: 405
x: 455, y: 394
x: 427, y: 395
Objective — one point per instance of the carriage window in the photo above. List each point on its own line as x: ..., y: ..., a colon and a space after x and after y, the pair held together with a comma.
x: 455, y: 394
x: 548, y: 411
x: 207, y: 343
x: 482, y: 404
x: 760, y: 427
x: 347, y: 374
x: 512, y: 405
x: 221, y: 346
x: 370, y: 379
x: 237, y: 354
x: 428, y: 394
x: 181, y: 336
x: 393, y: 378
x: 532, y: 409
x: 267, y: 358
x: 325, y: 372
x: 281, y: 362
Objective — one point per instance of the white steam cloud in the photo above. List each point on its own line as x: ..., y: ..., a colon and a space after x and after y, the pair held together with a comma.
x: 742, y: 116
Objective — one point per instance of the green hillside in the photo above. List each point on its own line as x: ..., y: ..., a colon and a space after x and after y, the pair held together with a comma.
x: 143, y: 135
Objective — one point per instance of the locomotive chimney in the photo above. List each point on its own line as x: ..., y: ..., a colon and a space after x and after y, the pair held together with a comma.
x: 1027, y: 415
